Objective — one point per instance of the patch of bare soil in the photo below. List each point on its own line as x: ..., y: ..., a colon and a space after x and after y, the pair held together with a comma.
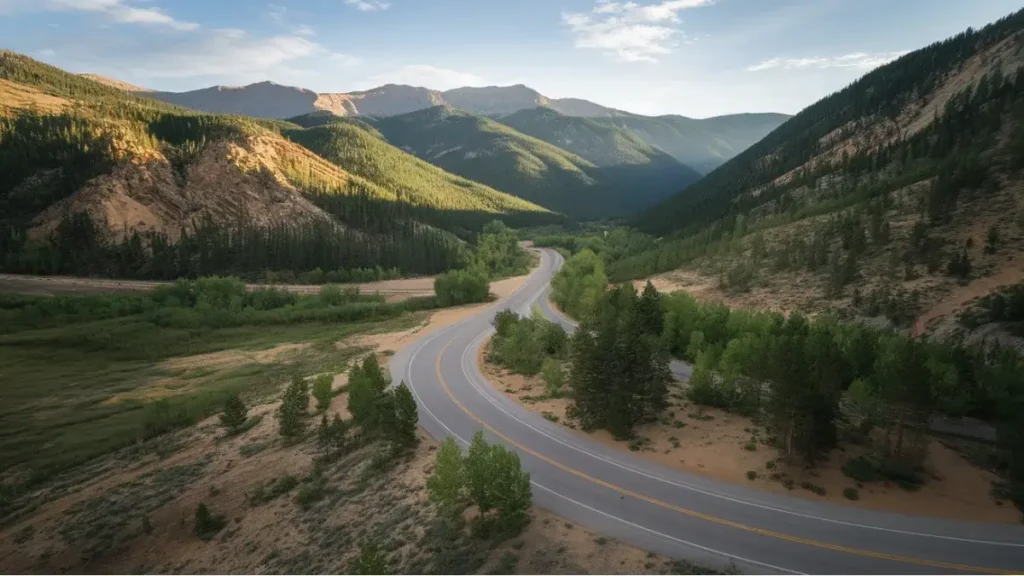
x: 282, y: 513
x: 387, y: 343
x: 726, y: 447
x: 147, y: 193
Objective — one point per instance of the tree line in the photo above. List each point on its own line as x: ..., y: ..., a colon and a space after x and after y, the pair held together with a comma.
x: 809, y: 382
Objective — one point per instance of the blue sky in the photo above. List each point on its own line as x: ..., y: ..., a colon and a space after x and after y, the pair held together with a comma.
x: 693, y: 57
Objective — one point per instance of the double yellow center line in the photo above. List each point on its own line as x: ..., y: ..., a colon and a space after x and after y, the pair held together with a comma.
x: 708, y: 517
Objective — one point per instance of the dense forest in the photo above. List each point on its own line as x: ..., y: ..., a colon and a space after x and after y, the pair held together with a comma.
x: 373, y: 215
x: 773, y: 182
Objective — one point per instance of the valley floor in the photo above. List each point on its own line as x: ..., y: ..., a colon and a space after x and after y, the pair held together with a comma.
x: 393, y: 290
x: 133, y: 509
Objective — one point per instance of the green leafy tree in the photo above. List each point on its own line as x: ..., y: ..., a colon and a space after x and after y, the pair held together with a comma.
x: 479, y: 472
x: 462, y: 286
x: 496, y: 481
x: 322, y: 391
x: 554, y: 377
x: 235, y: 413
x: 406, y: 416
x: 447, y: 483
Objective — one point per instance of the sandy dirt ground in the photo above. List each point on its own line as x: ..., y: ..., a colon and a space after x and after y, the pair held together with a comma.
x: 134, y: 512
x: 962, y: 295
x: 725, y: 446
x: 393, y: 290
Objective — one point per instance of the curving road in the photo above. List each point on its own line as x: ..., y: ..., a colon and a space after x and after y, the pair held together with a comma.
x: 668, y: 511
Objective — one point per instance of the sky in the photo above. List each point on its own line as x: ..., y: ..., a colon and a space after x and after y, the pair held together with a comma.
x: 697, y: 58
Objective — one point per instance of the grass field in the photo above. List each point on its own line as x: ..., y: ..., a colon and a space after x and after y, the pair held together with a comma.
x: 83, y: 376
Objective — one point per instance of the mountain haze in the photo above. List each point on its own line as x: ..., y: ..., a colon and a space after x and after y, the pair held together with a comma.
x: 699, y: 144
x: 491, y: 152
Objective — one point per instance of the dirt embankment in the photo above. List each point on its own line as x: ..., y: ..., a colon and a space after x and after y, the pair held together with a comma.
x: 727, y: 447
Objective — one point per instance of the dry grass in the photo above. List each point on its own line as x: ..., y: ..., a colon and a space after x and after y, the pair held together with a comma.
x: 14, y: 96
x: 134, y: 513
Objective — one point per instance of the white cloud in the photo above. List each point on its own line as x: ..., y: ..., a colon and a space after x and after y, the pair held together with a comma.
x: 426, y: 76
x: 629, y: 31
x: 119, y: 11
x: 369, y: 5
x: 132, y: 15
x: 231, y: 53
x: 860, y: 60
x: 303, y: 30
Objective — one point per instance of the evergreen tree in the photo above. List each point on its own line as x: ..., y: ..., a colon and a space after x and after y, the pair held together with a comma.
x: 406, y: 416
x: 294, y: 406
x: 234, y: 414
x: 619, y: 371
x: 366, y: 386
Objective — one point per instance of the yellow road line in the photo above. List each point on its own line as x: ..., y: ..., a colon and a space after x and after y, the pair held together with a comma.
x: 707, y: 517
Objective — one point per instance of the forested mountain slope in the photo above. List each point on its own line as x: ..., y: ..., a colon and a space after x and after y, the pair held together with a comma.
x: 94, y: 180
x: 487, y: 151
x: 878, y: 199
x: 700, y: 144
x: 360, y: 149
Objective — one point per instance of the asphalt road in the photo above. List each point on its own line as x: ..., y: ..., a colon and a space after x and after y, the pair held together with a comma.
x: 668, y: 511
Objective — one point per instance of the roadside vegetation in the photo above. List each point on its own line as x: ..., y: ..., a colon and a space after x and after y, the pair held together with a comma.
x: 810, y: 384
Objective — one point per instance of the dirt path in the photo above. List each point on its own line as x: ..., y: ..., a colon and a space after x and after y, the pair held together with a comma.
x: 393, y: 290
x: 964, y: 294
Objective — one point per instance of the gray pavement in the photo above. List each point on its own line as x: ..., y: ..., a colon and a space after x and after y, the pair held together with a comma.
x: 682, y: 515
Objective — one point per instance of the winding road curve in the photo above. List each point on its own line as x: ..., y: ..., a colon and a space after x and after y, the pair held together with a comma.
x: 668, y: 511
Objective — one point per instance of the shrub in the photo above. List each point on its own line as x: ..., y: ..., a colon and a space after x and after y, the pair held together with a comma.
x: 851, y: 494
x: 554, y: 377
x: 371, y: 560
x: 322, y: 391
x: 751, y: 475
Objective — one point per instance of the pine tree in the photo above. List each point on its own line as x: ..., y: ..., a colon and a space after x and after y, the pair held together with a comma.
x: 293, y: 409
x: 366, y: 385
x: 234, y: 415
x: 406, y: 416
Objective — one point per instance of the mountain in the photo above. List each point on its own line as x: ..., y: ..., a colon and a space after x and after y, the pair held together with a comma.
x: 600, y: 143
x: 890, y: 197
x: 262, y: 100
x: 700, y: 144
x: 94, y: 181
x: 491, y: 152
x: 360, y: 149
